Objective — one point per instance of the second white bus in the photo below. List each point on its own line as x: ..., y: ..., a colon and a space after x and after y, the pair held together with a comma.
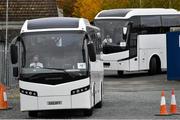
x: 135, y: 39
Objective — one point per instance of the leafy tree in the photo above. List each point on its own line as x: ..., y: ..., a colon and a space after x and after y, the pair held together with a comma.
x: 109, y: 4
x: 67, y: 6
x: 87, y: 8
x: 133, y: 3
x: 174, y: 4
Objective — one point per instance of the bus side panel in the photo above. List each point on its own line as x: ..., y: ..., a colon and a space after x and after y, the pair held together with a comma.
x: 116, y: 61
x: 97, y: 75
x: 115, y: 56
x: 133, y: 65
x: 150, y: 45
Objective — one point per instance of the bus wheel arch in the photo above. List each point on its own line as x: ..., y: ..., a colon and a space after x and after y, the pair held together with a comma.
x: 154, y: 64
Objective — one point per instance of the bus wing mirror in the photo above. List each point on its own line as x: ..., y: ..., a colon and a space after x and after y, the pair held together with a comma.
x: 15, y: 71
x: 125, y: 30
x: 14, y: 53
x: 99, y: 35
x: 92, y: 23
x: 91, y: 52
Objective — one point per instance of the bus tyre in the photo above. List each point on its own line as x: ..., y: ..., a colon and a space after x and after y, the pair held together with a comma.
x: 99, y: 104
x: 33, y: 114
x: 153, y: 69
x: 88, y: 112
x: 120, y: 73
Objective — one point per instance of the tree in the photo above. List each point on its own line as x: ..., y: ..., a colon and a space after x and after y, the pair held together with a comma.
x: 133, y: 3
x: 87, y: 8
x: 111, y: 4
x: 67, y: 6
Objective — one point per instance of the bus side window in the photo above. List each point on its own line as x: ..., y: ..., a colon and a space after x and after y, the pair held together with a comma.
x: 150, y: 24
x: 169, y: 21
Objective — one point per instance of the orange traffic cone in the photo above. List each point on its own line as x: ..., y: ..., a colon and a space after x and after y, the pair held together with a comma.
x: 173, y: 107
x: 163, y: 110
x: 3, y: 98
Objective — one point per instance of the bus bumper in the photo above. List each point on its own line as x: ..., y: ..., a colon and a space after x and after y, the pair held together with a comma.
x: 32, y: 98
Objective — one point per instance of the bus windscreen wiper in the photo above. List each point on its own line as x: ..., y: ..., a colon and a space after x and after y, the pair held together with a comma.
x: 60, y: 69
x: 47, y: 74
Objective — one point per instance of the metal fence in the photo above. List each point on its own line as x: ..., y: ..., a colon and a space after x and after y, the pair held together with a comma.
x: 10, y: 81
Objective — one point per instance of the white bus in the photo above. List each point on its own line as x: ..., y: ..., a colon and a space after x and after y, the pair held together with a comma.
x: 59, y: 65
x: 135, y: 39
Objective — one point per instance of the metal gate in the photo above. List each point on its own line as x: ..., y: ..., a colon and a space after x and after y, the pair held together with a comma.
x: 10, y: 81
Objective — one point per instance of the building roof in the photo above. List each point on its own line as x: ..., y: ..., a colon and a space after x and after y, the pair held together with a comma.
x: 21, y: 10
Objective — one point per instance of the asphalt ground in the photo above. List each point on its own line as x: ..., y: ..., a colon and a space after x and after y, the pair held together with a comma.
x: 133, y: 96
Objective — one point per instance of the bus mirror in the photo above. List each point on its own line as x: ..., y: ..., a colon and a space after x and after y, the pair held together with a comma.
x: 91, y: 52
x: 125, y: 30
x: 92, y: 23
x: 15, y: 71
x: 14, y: 54
x: 99, y: 35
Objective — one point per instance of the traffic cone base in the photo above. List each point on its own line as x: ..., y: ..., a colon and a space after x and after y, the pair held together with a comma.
x: 163, y: 110
x: 173, y: 107
x: 3, y: 98
x: 163, y: 114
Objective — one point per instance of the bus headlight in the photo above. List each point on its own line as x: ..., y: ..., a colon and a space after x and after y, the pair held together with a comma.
x: 80, y: 90
x: 28, y: 92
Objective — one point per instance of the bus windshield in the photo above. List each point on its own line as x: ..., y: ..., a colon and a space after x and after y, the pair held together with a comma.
x: 54, y: 50
x: 111, y: 31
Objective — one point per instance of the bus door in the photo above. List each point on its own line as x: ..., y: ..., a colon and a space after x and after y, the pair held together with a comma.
x: 133, y: 62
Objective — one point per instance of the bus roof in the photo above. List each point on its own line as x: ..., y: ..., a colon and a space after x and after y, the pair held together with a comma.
x: 128, y: 13
x: 55, y: 23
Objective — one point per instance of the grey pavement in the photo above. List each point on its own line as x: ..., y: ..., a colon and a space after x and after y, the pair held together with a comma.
x: 134, y: 96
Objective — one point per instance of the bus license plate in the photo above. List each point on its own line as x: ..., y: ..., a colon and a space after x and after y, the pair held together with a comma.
x: 54, y: 102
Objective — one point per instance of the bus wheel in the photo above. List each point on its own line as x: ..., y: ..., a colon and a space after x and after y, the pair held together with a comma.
x: 120, y: 73
x: 88, y: 112
x: 153, y: 67
x: 33, y: 114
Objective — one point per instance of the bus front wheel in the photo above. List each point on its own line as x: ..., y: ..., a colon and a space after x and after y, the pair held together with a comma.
x: 33, y: 114
x: 154, y: 66
x: 120, y: 73
x: 88, y: 112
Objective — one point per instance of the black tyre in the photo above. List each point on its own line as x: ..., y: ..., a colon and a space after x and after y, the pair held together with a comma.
x: 120, y: 73
x: 153, y: 67
x: 99, y: 104
x: 33, y: 114
x: 88, y: 112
